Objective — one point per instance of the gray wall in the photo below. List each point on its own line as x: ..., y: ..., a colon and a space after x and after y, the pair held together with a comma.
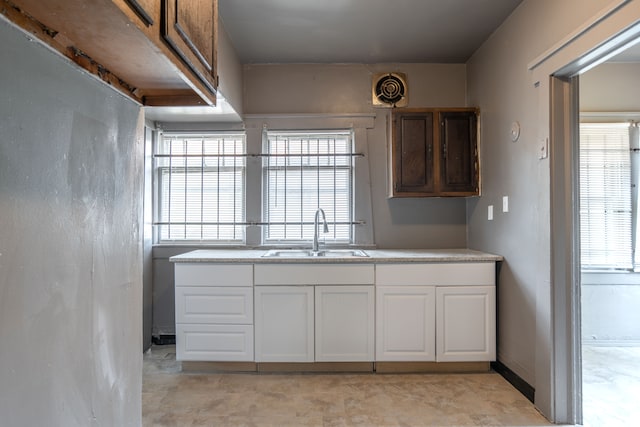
x: 70, y: 243
x: 509, y: 78
x: 610, y: 301
x: 229, y: 71
x: 346, y: 88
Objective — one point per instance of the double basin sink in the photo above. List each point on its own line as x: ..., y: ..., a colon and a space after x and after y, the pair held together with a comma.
x: 307, y: 253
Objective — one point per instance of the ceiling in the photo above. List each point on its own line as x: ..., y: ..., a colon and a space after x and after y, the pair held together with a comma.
x: 360, y: 31
x: 353, y: 31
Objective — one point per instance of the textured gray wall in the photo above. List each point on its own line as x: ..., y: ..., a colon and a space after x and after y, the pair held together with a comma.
x: 499, y: 81
x: 70, y: 243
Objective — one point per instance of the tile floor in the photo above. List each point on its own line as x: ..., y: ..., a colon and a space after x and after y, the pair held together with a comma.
x: 610, y: 386
x: 173, y: 398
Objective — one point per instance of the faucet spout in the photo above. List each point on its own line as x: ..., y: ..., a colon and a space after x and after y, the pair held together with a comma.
x: 315, y: 228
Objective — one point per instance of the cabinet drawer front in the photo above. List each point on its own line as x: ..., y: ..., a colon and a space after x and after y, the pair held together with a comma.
x: 436, y: 274
x: 203, y: 274
x: 220, y: 343
x: 314, y: 274
x: 196, y: 304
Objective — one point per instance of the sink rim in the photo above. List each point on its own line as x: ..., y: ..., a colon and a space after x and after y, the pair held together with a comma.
x: 308, y: 253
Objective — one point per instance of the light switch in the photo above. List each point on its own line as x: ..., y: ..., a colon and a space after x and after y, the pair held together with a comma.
x: 543, y: 149
x: 490, y: 213
x: 505, y: 203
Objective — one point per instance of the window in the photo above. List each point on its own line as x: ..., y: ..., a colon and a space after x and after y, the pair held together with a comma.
x: 304, y: 171
x: 606, y: 213
x: 200, y: 188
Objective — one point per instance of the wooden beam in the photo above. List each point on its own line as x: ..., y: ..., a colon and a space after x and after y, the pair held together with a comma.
x: 64, y: 47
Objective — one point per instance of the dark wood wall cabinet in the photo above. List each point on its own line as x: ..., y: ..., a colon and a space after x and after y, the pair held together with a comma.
x: 157, y: 52
x: 434, y: 153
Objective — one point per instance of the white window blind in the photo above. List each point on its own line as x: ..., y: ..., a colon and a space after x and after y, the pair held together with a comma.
x: 605, y: 196
x: 200, y: 188
x: 304, y: 171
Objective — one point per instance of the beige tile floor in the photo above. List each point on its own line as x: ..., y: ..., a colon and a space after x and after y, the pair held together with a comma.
x: 173, y: 398
x: 611, y: 386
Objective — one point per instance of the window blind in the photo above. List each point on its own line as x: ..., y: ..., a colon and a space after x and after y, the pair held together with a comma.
x: 304, y: 171
x: 605, y: 196
x: 200, y: 188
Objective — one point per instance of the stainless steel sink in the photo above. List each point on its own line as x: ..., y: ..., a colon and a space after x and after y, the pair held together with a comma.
x: 306, y: 253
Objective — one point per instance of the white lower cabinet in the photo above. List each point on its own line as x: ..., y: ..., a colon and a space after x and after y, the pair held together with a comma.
x: 345, y: 323
x: 314, y: 312
x: 214, y: 312
x: 466, y: 323
x: 443, y: 312
x: 405, y: 312
x: 202, y: 342
x: 406, y: 323
x: 284, y: 324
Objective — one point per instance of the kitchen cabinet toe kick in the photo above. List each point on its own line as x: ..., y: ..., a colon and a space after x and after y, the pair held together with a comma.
x: 338, y: 367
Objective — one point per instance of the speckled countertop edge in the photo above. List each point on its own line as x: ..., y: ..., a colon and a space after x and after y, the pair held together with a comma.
x: 255, y: 256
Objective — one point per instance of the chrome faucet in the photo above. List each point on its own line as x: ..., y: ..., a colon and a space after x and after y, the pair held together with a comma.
x: 315, y: 228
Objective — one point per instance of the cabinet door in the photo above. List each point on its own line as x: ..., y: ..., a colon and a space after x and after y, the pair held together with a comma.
x: 465, y: 323
x: 284, y: 324
x: 458, y: 157
x: 413, y: 151
x: 405, y: 323
x: 147, y: 11
x: 344, y: 323
x: 190, y: 29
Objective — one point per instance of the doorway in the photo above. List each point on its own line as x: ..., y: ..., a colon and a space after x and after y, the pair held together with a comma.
x: 566, y: 266
x: 610, y: 289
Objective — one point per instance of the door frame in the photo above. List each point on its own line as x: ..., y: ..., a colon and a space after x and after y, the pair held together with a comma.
x: 564, y: 114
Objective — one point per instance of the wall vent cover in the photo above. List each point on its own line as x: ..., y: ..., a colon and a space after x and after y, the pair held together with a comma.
x: 389, y: 90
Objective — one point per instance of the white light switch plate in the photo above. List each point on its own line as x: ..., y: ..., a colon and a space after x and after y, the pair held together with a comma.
x: 505, y: 203
x: 543, y: 149
x: 490, y: 213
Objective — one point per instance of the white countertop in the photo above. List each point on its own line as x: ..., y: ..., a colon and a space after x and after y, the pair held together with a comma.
x: 375, y: 256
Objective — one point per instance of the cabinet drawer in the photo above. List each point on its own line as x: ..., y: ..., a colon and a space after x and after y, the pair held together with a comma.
x: 221, y: 343
x: 436, y: 274
x: 203, y: 274
x: 197, y: 304
x: 314, y: 274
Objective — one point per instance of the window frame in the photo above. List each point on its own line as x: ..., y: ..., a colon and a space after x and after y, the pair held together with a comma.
x: 619, y: 264
x: 267, y: 167
x: 158, y: 189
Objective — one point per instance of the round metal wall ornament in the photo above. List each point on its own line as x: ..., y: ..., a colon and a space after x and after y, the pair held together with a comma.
x: 515, y: 131
x: 390, y: 90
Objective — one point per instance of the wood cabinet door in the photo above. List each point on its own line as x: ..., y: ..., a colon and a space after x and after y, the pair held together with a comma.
x: 458, y: 152
x: 190, y: 29
x: 284, y: 324
x: 413, y: 153
x: 147, y: 11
